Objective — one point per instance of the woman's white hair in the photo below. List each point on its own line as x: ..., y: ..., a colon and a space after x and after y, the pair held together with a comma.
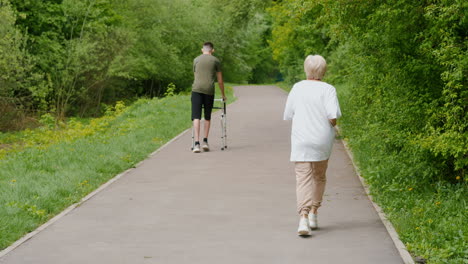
x: 315, y: 67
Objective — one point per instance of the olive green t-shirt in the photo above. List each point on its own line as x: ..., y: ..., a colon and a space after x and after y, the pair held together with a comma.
x: 205, y: 68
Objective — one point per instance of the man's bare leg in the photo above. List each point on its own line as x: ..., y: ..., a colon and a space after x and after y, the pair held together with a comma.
x: 205, y: 145
x: 207, y: 128
x: 196, y: 129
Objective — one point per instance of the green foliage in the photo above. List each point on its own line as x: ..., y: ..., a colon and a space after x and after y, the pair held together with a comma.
x: 20, y: 90
x: 69, y: 57
x: 432, y: 223
x: 162, y: 43
x: 72, y: 44
x: 400, y: 69
x: 393, y: 54
x: 445, y: 42
x: 296, y: 33
x: 47, y: 120
x: 170, y: 91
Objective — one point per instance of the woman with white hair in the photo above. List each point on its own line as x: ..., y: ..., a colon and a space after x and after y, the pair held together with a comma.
x: 313, y: 107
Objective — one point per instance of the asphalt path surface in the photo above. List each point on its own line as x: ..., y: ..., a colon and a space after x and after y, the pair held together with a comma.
x: 234, y: 206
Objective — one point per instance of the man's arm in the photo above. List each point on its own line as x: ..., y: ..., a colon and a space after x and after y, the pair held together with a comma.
x: 219, y: 75
x: 332, y: 121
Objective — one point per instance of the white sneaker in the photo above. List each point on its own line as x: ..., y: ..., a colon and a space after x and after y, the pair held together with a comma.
x: 196, y: 148
x: 313, y: 221
x: 205, y: 146
x: 304, y: 229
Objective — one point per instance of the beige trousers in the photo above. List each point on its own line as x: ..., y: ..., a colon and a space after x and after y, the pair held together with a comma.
x: 310, y: 184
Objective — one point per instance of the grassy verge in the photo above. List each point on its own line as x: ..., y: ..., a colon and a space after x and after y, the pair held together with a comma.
x: 46, y: 170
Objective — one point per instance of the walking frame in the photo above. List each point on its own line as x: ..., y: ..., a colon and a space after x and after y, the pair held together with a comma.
x: 223, y: 125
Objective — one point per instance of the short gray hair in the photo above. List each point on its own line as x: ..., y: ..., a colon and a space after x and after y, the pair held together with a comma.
x: 315, y: 67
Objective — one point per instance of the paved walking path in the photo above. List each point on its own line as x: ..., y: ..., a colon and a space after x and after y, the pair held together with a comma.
x: 235, y: 206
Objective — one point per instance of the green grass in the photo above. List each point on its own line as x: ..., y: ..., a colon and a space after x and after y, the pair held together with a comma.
x: 39, y: 181
x: 430, y: 218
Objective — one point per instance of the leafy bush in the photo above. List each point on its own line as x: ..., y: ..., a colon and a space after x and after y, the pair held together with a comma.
x: 170, y: 90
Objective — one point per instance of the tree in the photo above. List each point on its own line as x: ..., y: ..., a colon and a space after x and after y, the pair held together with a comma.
x: 20, y: 87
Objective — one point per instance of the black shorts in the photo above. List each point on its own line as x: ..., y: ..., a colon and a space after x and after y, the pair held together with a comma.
x: 200, y: 101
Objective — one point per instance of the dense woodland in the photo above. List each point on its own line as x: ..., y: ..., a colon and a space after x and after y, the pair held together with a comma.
x: 400, y: 68
x: 69, y: 57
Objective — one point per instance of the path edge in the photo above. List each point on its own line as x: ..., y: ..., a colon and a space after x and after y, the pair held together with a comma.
x: 72, y: 207
x: 404, y: 253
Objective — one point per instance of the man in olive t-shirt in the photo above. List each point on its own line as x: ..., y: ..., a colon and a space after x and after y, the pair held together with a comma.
x: 205, y: 68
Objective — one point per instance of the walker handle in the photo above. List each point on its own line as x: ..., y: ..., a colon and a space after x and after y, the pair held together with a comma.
x: 224, y: 104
